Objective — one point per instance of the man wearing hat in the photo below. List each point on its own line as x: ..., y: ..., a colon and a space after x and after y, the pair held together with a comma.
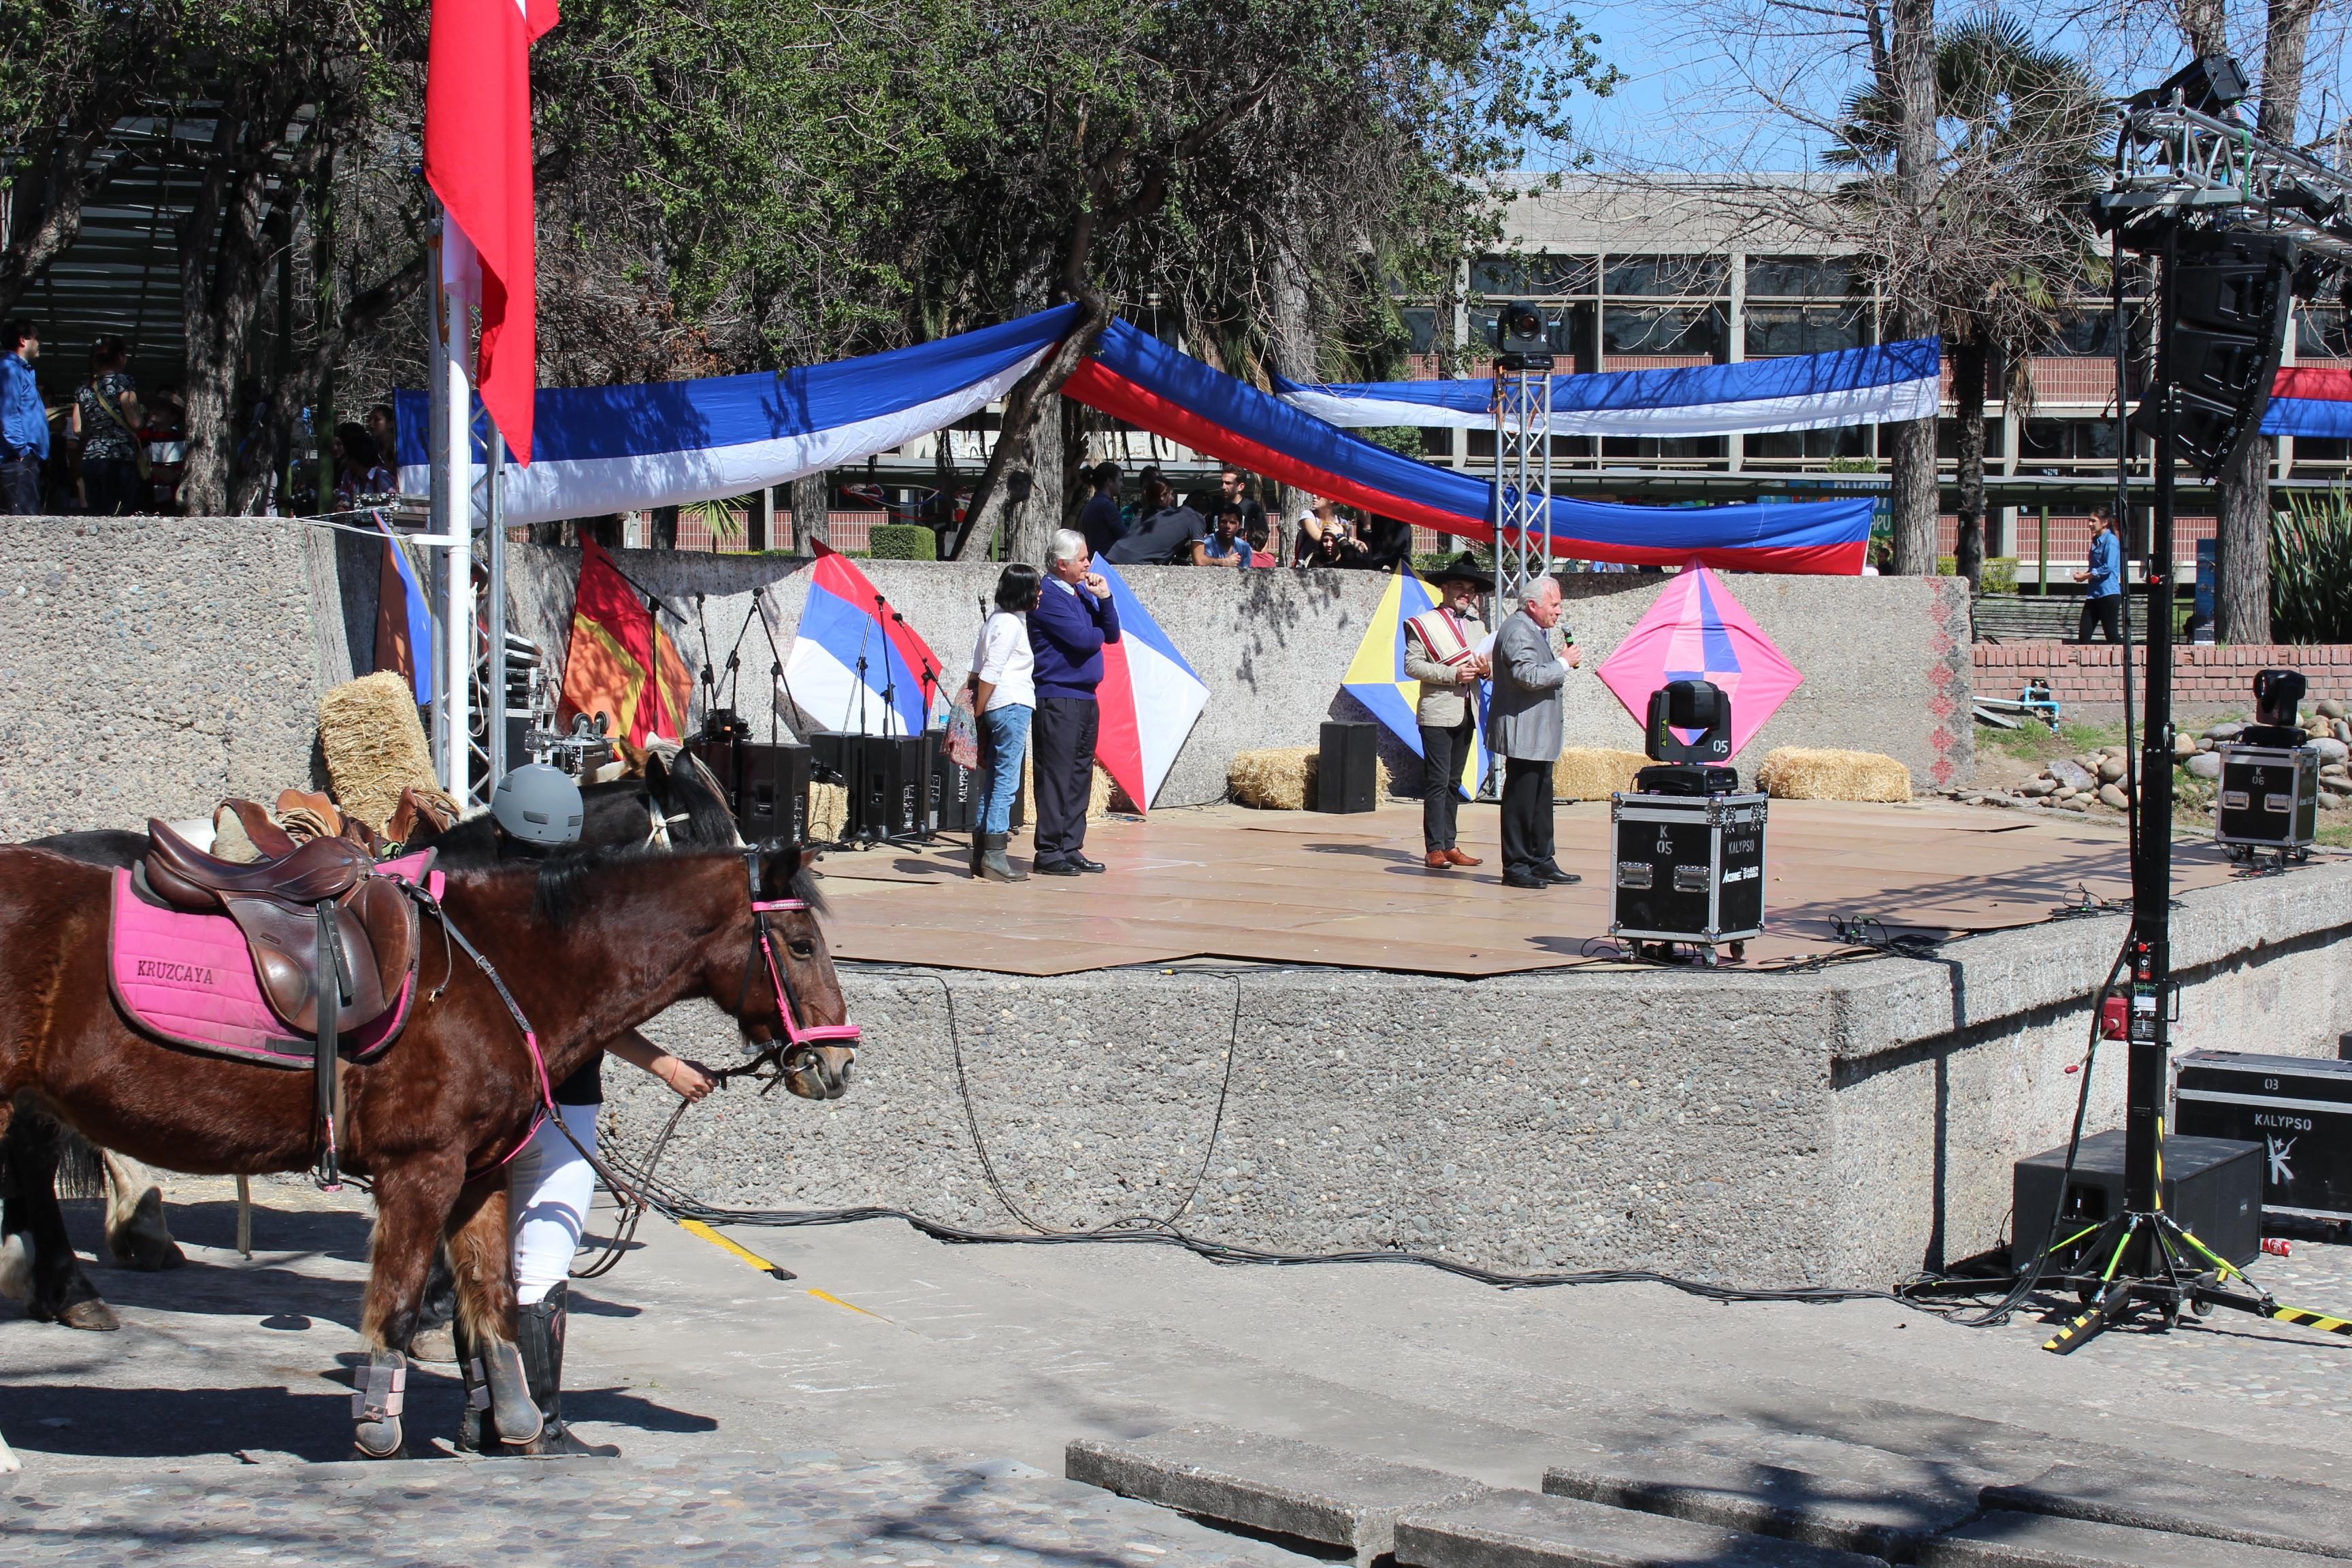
x: 1441, y: 651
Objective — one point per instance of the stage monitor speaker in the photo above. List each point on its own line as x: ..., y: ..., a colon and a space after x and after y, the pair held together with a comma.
x: 2213, y: 1186
x: 772, y: 799
x: 2231, y: 298
x: 1699, y: 705
x: 828, y: 752
x: 1348, y: 770
x: 892, y: 786
x: 721, y: 758
x: 2299, y: 1108
x: 954, y: 799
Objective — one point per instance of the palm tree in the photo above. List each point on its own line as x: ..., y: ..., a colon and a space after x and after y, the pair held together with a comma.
x: 2021, y: 133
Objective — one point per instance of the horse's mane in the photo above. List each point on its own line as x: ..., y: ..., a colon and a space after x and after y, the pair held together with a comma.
x: 563, y: 885
x: 697, y: 788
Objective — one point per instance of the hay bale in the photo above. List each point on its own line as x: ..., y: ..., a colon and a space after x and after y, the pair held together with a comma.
x: 1099, y: 800
x: 1594, y: 773
x: 1801, y: 772
x: 828, y: 812
x: 1283, y: 778
x: 374, y: 746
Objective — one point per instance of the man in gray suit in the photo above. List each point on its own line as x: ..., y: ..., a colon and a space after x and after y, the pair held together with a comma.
x: 1523, y: 729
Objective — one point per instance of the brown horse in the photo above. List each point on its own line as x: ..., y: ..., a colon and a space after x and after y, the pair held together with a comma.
x: 588, y: 947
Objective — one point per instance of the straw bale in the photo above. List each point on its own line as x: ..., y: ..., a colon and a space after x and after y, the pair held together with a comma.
x: 1104, y: 799
x: 374, y: 745
x: 828, y: 812
x: 1594, y: 773
x: 1800, y: 772
x: 1283, y: 778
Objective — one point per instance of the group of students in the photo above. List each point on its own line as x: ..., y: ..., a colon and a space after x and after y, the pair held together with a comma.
x: 1230, y: 530
x: 1032, y: 687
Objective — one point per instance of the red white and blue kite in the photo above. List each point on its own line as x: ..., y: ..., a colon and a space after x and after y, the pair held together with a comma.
x: 1149, y: 698
x: 856, y: 667
x: 1697, y: 631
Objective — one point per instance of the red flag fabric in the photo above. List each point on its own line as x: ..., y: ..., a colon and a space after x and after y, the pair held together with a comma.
x: 478, y: 161
x: 616, y: 650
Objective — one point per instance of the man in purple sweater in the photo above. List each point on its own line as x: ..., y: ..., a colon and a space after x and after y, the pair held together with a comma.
x: 1074, y: 617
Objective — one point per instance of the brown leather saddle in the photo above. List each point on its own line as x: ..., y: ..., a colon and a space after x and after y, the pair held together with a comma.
x: 316, y: 909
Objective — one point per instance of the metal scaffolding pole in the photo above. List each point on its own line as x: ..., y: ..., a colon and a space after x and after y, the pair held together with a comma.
x: 1522, y: 478
x: 453, y: 530
x: 494, y: 545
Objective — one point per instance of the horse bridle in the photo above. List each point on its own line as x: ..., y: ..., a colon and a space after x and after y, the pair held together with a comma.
x: 800, y: 1039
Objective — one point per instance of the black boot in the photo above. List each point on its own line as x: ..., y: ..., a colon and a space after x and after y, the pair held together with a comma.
x: 478, y: 1392
x: 540, y: 1338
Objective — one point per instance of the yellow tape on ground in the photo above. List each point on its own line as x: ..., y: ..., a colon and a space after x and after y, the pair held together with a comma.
x: 773, y: 1270
x: 849, y: 1306
x: 2319, y: 1321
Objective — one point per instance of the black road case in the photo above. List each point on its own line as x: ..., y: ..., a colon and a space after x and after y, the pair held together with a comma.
x: 2269, y: 798
x: 1687, y: 867
x: 2299, y: 1108
x: 2213, y: 1186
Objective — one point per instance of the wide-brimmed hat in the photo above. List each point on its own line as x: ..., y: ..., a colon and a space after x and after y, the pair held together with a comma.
x: 1465, y: 568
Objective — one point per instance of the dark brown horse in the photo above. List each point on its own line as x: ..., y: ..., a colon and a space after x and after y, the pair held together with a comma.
x: 588, y: 947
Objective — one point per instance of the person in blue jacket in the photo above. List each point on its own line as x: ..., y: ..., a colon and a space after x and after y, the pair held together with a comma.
x: 1075, y: 616
x: 2103, y: 577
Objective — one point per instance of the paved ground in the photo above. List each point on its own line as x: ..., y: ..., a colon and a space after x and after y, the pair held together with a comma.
x: 905, y: 1404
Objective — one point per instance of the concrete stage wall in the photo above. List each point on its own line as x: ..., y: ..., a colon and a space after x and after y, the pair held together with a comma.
x: 1885, y: 660
x: 1844, y: 1126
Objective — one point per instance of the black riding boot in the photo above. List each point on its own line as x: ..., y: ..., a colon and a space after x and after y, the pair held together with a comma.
x: 478, y: 1394
x: 540, y: 1338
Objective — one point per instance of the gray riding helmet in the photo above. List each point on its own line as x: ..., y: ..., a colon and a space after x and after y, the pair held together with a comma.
x: 539, y: 804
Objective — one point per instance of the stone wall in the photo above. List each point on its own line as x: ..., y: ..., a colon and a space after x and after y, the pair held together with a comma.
x: 1848, y: 1126
x: 2087, y: 677
x: 151, y: 666
x: 1885, y: 659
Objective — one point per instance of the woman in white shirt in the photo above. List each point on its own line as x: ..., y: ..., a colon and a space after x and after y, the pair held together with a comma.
x: 1004, y: 697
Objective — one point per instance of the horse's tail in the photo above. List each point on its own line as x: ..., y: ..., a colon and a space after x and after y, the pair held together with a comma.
x: 34, y: 1137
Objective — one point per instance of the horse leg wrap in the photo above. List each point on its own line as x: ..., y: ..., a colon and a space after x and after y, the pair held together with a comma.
x: 512, y: 1409
x: 378, y: 1397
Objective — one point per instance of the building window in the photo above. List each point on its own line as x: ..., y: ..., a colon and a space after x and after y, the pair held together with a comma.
x: 1669, y: 448
x: 1785, y: 445
x: 2321, y: 449
x: 1663, y: 331
x: 1508, y: 276
x: 1775, y: 330
x: 2066, y: 441
x: 1664, y: 277
x: 1421, y: 326
x: 1800, y: 278
x: 1948, y: 437
x: 2320, y: 334
x: 1569, y: 331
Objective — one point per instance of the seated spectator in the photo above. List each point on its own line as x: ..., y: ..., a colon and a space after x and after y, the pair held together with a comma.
x: 1164, y: 536
x: 1259, y: 537
x: 1225, y: 546
x: 1318, y: 515
x: 1237, y: 486
x: 1100, y: 521
x: 1336, y: 545
x: 357, y: 469
x: 1383, y: 542
x: 167, y: 449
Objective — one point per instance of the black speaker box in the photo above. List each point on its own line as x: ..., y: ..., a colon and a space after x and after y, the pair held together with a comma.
x: 954, y: 801
x: 890, y: 786
x: 1347, y: 772
x: 2213, y: 1186
x: 772, y: 792
x: 2231, y: 298
x: 1685, y: 778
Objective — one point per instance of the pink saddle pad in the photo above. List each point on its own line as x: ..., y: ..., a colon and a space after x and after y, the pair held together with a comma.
x: 189, y: 980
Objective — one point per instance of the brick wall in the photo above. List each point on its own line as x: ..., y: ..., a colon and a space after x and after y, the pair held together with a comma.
x: 2204, y: 679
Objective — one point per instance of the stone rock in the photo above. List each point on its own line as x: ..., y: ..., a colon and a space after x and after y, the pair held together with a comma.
x: 2072, y: 774
x: 2184, y: 745
x: 2329, y: 708
x: 2333, y: 802
x: 2034, y: 788
x: 2075, y: 803
x: 2110, y: 769
x: 2205, y: 765
x: 2229, y: 732
x: 2343, y: 732
x: 2111, y: 796
x: 2333, y: 753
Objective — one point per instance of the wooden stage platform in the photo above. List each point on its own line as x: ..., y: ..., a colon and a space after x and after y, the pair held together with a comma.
x: 1300, y: 888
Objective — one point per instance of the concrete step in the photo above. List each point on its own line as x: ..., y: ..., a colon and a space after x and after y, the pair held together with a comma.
x: 1885, y: 1518
x: 1274, y: 1484
x: 2191, y: 1499
x: 2005, y: 1539
x: 1530, y: 1530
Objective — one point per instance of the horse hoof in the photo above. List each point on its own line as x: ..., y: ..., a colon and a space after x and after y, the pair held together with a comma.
x: 379, y: 1440
x: 93, y: 1314
x: 438, y: 1345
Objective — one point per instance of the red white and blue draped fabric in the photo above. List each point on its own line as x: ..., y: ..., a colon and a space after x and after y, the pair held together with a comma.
x: 1135, y: 377
x: 478, y: 161
x: 1891, y: 383
x: 2315, y: 400
x: 1149, y: 699
x: 856, y: 667
x: 1697, y: 631
x: 626, y: 448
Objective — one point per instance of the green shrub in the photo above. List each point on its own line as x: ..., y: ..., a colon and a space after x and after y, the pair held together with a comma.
x: 1999, y: 571
x: 2311, y: 568
x: 904, y: 542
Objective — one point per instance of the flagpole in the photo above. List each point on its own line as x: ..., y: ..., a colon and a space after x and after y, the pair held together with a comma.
x: 453, y: 520
x: 494, y: 545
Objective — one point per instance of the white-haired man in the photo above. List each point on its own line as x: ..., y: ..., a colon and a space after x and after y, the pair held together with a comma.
x: 1523, y: 728
x: 1075, y: 616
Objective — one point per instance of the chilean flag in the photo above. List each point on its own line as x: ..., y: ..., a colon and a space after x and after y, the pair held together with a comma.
x: 1149, y: 699
x: 478, y: 161
x: 851, y: 651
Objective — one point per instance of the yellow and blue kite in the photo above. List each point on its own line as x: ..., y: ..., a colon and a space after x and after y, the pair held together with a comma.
x: 1376, y: 676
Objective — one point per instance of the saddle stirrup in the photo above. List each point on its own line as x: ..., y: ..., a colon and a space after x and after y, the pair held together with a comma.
x: 330, y: 971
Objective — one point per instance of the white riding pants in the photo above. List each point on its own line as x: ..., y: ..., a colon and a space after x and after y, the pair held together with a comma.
x: 549, y: 1188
